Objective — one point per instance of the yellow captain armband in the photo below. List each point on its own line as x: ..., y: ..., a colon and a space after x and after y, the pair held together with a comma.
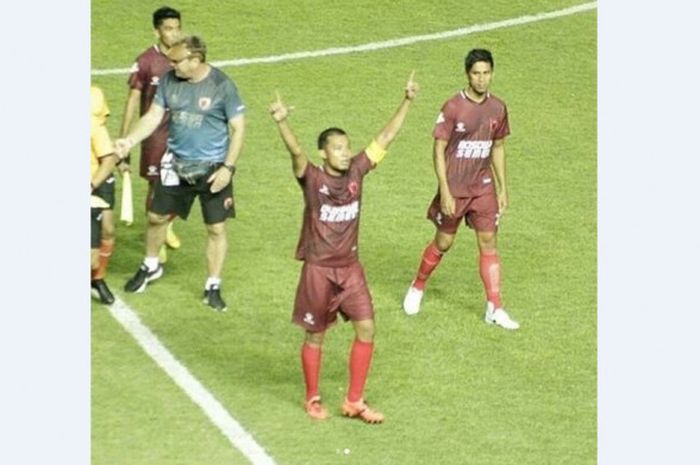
x: 375, y: 152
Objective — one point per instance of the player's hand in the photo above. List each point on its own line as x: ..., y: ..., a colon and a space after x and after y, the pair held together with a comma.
x: 447, y: 204
x: 124, y: 166
x: 219, y: 179
x: 412, y: 87
x: 279, y: 110
x: 122, y: 147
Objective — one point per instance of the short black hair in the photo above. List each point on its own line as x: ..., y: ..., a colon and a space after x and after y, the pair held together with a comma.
x: 323, y: 137
x: 194, y: 44
x: 477, y: 54
x: 163, y: 13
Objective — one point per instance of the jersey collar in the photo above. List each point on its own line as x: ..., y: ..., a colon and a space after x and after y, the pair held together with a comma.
x: 467, y: 97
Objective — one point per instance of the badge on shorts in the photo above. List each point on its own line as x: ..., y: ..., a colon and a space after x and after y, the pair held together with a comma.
x: 204, y: 103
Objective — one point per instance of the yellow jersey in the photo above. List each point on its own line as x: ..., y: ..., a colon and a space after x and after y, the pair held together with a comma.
x: 100, y: 142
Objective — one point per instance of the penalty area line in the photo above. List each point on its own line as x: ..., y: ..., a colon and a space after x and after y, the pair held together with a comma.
x: 372, y: 46
x: 217, y: 414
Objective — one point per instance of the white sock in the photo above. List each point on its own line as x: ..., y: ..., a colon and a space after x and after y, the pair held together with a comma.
x: 151, y: 263
x: 212, y: 281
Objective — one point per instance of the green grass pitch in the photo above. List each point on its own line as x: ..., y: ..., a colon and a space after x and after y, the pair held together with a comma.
x: 454, y: 390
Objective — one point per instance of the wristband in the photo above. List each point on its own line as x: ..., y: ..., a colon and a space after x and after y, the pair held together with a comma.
x: 231, y: 168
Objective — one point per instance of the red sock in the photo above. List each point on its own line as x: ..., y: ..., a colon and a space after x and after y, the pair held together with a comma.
x: 311, y: 364
x: 430, y: 260
x: 490, y: 270
x: 106, y: 248
x: 360, y: 358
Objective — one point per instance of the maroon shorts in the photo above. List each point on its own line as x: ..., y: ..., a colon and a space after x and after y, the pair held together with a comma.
x: 152, y: 150
x: 323, y: 292
x: 479, y: 213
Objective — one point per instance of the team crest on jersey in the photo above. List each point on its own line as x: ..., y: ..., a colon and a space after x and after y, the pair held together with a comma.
x: 324, y: 190
x: 460, y: 127
x: 155, y: 80
x: 204, y: 103
x: 352, y: 187
x: 309, y: 319
x: 152, y: 170
x: 494, y: 123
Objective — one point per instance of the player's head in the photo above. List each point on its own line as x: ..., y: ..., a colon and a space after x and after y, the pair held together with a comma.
x: 334, y: 148
x: 478, y: 66
x: 186, y: 55
x: 166, y: 23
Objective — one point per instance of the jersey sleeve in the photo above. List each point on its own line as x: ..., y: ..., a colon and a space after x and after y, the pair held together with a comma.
x: 137, y: 75
x: 503, y: 128
x: 308, y: 172
x: 233, y: 105
x: 444, y: 123
x: 100, y: 141
x: 361, y: 163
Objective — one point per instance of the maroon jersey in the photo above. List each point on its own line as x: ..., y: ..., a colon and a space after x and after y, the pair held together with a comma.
x: 332, y: 213
x: 145, y: 76
x: 470, y: 129
x: 146, y: 73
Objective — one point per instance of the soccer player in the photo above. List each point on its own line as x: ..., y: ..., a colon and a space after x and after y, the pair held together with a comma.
x: 206, y: 128
x: 332, y: 279
x: 469, y: 160
x: 102, y: 163
x: 144, y: 79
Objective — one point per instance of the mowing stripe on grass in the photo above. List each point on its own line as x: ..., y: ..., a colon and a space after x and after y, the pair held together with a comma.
x: 213, y: 409
x: 388, y: 43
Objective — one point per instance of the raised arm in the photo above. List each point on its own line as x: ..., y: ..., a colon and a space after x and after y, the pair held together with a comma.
x: 280, y: 113
x: 144, y: 128
x: 386, y: 136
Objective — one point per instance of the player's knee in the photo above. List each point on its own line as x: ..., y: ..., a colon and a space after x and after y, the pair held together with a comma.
x: 364, y: 330
x: 487, y: 241
x: 154, y: 219
x: 107, y: 231
x: 217, y: 230
x: 444, y: 241
x: 315, y: 338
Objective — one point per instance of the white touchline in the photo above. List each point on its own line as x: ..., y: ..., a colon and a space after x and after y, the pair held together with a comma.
x: 388, y: 43
x: 213, y: 409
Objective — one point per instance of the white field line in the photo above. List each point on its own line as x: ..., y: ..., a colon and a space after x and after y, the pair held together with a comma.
x: 213, y: 409
x: 388, y: 43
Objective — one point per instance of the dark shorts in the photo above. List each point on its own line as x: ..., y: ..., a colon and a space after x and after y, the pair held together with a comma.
x: 95, y: 227
x: 323, y: 292
x: 152, y: 150
x: 106, y: 193
x: 479, y: 213
x: 178, y: 200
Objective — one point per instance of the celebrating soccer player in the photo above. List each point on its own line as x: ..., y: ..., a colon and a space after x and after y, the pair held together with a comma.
x: 332, y: 280
x: 469, y: 160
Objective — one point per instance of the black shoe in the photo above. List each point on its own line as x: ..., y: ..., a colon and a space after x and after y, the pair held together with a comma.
x: 141, y: 279
x: 212, y: 297
x: 102, y: 291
